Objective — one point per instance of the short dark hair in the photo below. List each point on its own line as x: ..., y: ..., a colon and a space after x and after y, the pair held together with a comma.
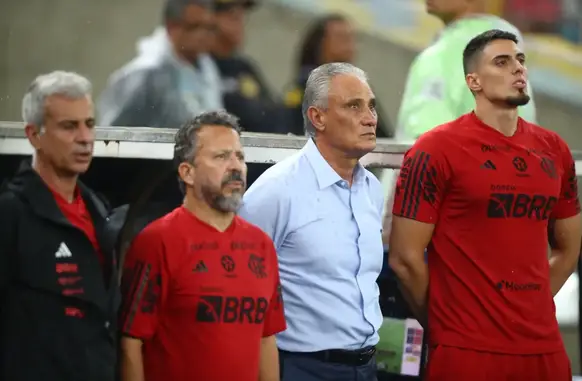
x: 476, y: 46
x: 185, y: 139
x: 174, y: 9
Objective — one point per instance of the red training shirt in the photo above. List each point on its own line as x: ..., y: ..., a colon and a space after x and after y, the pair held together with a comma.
x: 490, y: 198
x: 201, y: 300
x: 77, y: 214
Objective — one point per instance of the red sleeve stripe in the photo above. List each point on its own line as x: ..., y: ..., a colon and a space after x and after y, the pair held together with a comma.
x: 413, y: 184
x: 138, y: 281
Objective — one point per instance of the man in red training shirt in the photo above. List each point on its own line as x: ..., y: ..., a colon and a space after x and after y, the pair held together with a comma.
x: 201, y: 286
x: 479, y: 193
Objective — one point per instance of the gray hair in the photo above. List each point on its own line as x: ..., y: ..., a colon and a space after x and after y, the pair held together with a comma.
x: 67, y: 84
x: 185, y: 139
x: 317, y: 88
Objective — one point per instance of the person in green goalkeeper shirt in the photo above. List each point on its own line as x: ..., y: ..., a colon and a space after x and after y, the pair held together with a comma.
x: 435, y: 91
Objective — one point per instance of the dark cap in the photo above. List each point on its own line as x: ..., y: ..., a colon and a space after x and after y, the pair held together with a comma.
x: 225, y: 5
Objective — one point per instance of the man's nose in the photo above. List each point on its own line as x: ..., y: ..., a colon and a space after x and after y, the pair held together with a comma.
x: 371, y: 118
x: 235, y: 163
x: 519, y: 67
x: 85, y: 134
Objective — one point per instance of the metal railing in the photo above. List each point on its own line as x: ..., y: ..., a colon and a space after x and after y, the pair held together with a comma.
x: 158, y: 143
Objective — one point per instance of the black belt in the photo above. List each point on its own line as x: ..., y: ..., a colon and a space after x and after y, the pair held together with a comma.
x: 356, y: 357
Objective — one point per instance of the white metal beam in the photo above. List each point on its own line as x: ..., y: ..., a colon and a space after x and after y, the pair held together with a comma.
x: 158, y: 143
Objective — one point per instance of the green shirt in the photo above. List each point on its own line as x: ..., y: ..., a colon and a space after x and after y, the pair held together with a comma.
x: 436, y: 91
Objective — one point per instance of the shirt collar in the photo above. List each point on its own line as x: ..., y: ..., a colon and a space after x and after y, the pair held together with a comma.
x: 324, y: 173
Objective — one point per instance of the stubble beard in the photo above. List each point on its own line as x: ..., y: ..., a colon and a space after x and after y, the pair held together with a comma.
x: 221, y: 202
x: 518, y: 100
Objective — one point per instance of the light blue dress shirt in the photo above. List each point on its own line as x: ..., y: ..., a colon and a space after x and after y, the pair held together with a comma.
x: 328, y: 238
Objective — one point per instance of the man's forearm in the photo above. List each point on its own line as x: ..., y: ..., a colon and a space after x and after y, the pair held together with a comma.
x: 132, y: 369
x: 131, y: 360
x: 562, y: 265
x: 413, y: 281
x: 269, y: 362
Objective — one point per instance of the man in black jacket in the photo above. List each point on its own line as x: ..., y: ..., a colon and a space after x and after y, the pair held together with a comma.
x: 58, y: 280
x: 246, y: 92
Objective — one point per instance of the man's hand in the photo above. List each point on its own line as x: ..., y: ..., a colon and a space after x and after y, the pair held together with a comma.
x: 269, y: 361
x: 131, y: 360
x: 565, y: 240
x: 408, y: 240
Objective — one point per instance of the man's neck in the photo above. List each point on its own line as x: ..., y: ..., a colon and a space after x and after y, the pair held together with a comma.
x: 221, y: 221
x: 64, y: 186
x: 503, y: 120
x: 343, y: 165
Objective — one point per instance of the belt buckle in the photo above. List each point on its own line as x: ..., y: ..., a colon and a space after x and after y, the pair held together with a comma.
x: 364, y: 357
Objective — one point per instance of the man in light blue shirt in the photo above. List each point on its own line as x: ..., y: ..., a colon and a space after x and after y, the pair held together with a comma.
x: 323, y: 210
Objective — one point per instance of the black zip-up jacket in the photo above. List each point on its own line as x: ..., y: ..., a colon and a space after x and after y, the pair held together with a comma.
x: 57, y: 308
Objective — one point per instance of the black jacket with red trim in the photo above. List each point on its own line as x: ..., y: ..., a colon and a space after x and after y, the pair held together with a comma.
x: 58, y: 306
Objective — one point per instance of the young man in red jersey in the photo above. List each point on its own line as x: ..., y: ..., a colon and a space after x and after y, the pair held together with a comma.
x: 479, y: 192
x: 201, y: 286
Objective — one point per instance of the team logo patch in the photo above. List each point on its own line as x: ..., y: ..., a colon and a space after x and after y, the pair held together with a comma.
x: 257, y: 266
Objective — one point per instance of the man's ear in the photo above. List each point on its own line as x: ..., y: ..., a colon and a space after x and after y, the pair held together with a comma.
x: 32, y: 132
x: 186, y: 171
x: 473, y: 82
x: 317, y: 118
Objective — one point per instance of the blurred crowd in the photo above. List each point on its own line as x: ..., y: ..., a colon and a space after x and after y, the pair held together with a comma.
x: 192, y: 63
x: 562, y: 17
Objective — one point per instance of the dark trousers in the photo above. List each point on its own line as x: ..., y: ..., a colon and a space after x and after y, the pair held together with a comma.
x: 299, y: 367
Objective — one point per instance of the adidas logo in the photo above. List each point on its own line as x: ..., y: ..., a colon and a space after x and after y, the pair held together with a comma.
x: 488, y: 165
x: 63, y: 251
x: 200, y: 268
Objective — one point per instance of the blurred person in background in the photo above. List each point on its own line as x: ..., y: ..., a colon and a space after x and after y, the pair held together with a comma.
x: 246, y: 93
x: 330, y: 38
x: 58, y: 281
x: 173, y: 78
